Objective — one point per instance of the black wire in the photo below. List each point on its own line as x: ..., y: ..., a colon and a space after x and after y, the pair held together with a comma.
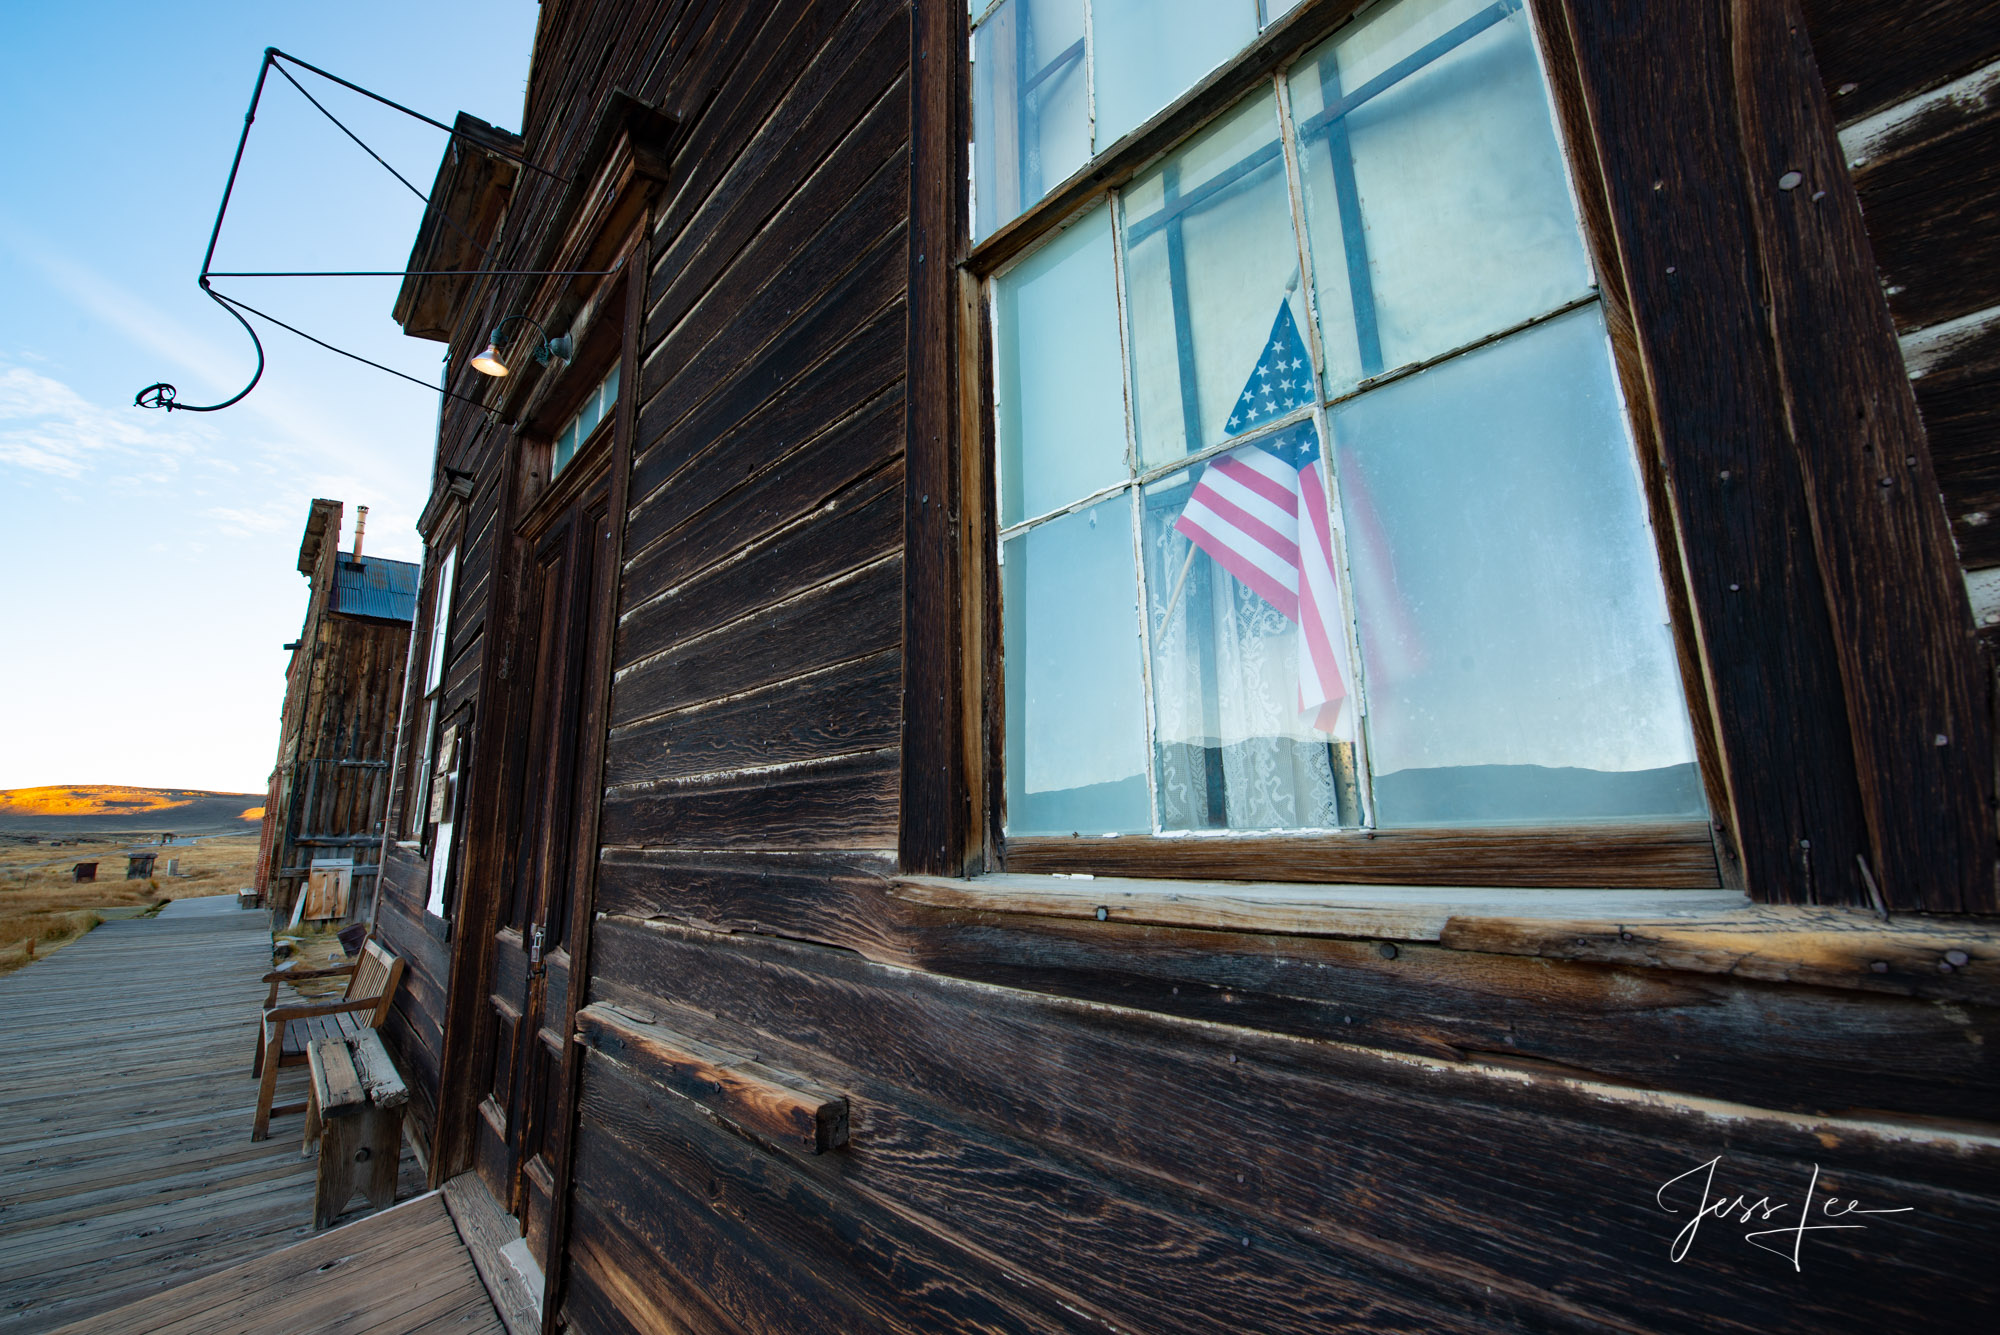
x: 351, y: 135
x: 231, y: 301
x: 444, y: 214
x: 280, y: 55
x: 162, y: 395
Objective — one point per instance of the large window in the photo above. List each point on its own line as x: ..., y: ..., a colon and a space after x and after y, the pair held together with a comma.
x: 1318, y: 505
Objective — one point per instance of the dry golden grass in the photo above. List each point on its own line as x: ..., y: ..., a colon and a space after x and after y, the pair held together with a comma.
x: 40, y: 902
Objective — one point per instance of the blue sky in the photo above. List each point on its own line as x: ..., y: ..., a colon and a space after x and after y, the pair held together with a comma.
x: 151, y: 557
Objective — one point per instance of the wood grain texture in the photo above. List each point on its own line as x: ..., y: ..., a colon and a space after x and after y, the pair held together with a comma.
x: 1903, y: 632
x: 617, y: 1285
x: 706, y: 518
x: 401, y: 1272
x: 849, y: 617
x: 822, y: 397
x: 854, y: 198
x: 125, y: 1122
x: 841, y: 802
x: 1933, y: 213
x: 823, y: 96
x: 1329, y: 1159
x: 838, y: 710
x: 939, y: 829
x: 852, y: 528
x: 868, y: 1238
x: 750, y: 1095
x: 1873, y: 54
x: 1948, y: 958
x: 1960, y: 404
x: 1611, y: 856
x: 1591, y: 1002
x: 1680, y: 217
x: 795, y: 322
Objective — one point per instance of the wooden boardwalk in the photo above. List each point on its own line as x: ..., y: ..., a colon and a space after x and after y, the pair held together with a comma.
x: 126, y: 1099
x: 400, y: 1272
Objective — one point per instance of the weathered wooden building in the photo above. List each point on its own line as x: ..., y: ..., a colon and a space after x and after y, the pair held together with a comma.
x: 1331, y: 701
x: 330, y: 788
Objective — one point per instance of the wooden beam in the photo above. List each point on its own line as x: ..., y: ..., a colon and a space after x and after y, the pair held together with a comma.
x: 941, y: 765
x: 1626, y: 856
x: 1679, y: 221
x: 736, y: 1087
x: 1903, y: 629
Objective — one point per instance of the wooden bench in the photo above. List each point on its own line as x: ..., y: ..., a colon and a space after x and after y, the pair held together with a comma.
x: 355, y: 1117
x: 285, y: 1032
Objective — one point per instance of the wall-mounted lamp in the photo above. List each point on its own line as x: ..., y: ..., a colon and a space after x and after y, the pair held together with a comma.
x: 489, y: 363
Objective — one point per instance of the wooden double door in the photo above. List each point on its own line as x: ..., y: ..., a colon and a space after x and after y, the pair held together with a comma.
x: 540, y: 926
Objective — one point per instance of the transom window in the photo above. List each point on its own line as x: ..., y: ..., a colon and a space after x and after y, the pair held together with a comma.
x: 595, y: 408
x: 1318, y: 503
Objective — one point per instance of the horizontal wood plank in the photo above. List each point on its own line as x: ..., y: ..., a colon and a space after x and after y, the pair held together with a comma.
x: 1361, y: 1157
x: 838, y: 710
x: 1609, y: 856
x: 841, y: 802
x: 1880, y: 1041
x: 851, y: 617
x: 1875, y: 53
x: 1934, y: 220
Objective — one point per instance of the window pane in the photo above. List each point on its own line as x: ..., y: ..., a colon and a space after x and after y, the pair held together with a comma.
x: 1513, y: 628
x: 1058, y: 374
x: 1243, y: 738
x: 565, y: 448
x: 1437, y: 207
x: 1030, y: 106
x: 1076, y: 718
x: 610, y: 393
x: 1149, y: 52
x: 1277, y: 9
x: 1209, y: 259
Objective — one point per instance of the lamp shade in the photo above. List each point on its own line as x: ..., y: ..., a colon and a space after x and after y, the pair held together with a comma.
x: 489, y: 363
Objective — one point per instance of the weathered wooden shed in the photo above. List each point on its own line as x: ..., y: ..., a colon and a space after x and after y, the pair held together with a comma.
x: 1217, y: 665
x: 330, y: 788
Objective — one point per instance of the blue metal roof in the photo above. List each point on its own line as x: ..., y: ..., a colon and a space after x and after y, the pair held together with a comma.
x: 373, y: 587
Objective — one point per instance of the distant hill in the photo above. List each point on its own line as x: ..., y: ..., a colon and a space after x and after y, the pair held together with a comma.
x: 107, y: 808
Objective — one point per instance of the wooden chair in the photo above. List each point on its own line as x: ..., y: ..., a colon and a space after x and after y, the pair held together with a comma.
x: 285, y: 1033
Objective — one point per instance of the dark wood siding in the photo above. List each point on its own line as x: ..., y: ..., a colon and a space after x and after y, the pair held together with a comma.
x: 1916, y: 88
x: 1068, y: 1124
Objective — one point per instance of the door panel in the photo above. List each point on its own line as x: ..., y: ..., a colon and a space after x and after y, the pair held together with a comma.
x: 526, y: 1107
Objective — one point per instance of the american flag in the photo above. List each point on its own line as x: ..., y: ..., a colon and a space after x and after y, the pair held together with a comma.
x: 1261, y: 512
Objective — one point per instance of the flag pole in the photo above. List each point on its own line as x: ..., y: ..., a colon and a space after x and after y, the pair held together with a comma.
x: 1179, y: 584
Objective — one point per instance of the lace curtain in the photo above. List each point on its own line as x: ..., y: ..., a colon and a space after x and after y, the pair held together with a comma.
x: 1233, y: 749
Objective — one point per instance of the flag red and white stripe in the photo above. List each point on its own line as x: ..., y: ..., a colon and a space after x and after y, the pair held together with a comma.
x: 1264, y: 519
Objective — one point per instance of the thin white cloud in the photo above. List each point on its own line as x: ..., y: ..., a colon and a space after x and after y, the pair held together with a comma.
x: 239, y: 521
x: 220, y: 370
x: 48, y: 427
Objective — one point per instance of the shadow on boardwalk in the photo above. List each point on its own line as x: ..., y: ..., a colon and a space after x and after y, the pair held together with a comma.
x: 126, y: 1164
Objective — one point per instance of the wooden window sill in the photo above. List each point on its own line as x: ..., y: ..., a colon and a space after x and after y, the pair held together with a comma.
x: 1696, y: 931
